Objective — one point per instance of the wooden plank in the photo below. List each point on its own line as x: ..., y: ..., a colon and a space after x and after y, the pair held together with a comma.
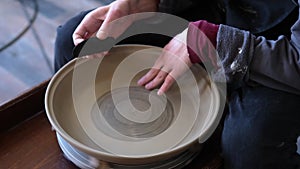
x: 22, y: 107
x: 32, y: 145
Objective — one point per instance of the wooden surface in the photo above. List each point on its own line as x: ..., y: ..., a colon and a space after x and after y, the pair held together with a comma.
x: 33, y: 144
x: 22, y: 107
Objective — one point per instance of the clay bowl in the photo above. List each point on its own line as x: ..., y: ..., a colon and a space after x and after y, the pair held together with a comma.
x: 97, y: 107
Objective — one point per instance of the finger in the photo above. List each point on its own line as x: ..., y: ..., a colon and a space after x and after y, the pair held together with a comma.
x: 115, y: 23
x: 101, y: 34
x: 169, y: 80
x: 105, y: 27
x: 89, y: 25
x: 80, y: 35
x: 85, y: 29
x: 158, y: 80
x: 148, y: 77
x: 174, y: 74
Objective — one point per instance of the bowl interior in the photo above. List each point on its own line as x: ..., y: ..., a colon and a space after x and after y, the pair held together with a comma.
x: 96, y: 106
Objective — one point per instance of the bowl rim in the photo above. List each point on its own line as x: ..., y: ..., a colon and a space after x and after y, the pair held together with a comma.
x: 67, y: 68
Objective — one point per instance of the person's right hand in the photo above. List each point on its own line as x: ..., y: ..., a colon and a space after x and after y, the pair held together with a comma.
x: 170, y: 65
x: 98, y: 20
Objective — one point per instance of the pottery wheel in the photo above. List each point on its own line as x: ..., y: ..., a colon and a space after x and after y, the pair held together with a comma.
x: 115, y: 122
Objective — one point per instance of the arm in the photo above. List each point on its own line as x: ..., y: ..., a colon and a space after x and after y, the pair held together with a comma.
x: 273, y: 63
x: 245, y: 57
x: 177, y: 57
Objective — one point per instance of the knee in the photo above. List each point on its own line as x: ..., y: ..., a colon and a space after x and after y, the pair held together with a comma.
x: 264, y: 135
x: 64, y: 34
x: 64, y: 45
x: 65, y: 31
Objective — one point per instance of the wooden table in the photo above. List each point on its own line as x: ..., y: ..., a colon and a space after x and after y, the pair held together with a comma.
x: 33, y: 144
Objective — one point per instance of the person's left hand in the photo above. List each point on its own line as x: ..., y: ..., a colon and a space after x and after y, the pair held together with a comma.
x: 173, y: 62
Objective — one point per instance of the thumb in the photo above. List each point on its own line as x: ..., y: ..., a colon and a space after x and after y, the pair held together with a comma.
x: 101, y: 34
x: 114, y: 25
x: 106, y: 26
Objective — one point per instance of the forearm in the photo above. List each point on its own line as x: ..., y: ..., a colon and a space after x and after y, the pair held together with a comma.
x: 245, y: 57
x: 276, y: 64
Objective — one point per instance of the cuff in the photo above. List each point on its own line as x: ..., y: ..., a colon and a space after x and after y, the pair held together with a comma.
x: 195, y: 39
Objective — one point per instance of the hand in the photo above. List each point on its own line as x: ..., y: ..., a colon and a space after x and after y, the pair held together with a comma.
x: 173, y: 62
x: 98, y: 20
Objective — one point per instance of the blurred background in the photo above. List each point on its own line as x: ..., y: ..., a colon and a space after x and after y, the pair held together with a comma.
x: 28, y: 31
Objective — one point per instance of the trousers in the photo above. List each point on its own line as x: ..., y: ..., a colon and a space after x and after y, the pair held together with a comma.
x: 261, y: 125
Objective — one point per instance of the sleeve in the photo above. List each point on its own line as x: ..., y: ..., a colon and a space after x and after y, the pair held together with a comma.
x: 201, y: 34
x: 273, y: 63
